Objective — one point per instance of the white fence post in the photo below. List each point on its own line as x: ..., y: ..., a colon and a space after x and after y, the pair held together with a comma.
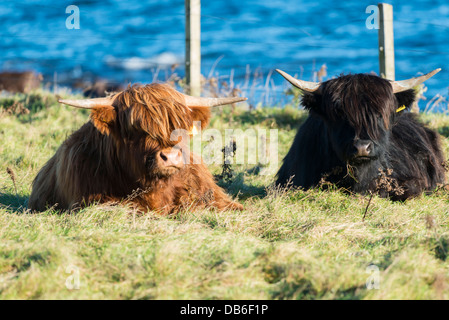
x: 193, y: 46
x: 386, y: 41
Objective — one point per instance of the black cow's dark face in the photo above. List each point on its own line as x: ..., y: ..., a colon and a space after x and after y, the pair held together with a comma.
x: 356, y: 146
x: 359, y: 112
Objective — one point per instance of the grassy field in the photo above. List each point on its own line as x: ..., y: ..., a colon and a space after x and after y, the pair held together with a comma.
x: 284, y: 245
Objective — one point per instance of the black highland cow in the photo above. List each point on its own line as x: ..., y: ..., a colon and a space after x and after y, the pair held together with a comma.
x: 359, y: 132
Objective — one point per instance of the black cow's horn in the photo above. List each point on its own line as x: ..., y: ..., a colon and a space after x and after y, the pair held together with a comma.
x: 88, y: 103
x: 300, y: 84
x: 210, y: 102
x: 399, y: 86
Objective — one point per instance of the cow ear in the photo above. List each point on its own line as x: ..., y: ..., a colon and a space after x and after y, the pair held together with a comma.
x: 102, y: 118
x: 201, y: 114
x: 405, y: 100
x: 311, y: 101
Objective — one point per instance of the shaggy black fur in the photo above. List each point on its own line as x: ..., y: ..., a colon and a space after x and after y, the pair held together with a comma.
x: 354, y: 109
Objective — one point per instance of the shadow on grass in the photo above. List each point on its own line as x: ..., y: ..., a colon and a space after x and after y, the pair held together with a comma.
x: 237, y: 187
x: 13, y: 203
x: 303, y: 289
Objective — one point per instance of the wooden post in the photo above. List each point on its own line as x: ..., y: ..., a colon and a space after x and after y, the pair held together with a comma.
x: 193, y: 46
x: 55, y: 82
x: 386, y: 41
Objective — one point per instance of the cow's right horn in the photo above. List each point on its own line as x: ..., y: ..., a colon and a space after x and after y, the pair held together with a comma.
x: 210, y: 102
x: 300, y: 84
x: 399, y: 86
x: 88, y: 103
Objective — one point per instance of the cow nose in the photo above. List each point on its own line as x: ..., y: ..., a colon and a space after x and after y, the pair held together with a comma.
x: 364, y: 148
x: 171, y: 157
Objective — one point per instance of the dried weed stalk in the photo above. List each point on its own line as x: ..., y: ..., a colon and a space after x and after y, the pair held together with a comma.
x: 12, y: 175
x: 228, y: 153
x: 384, y: 183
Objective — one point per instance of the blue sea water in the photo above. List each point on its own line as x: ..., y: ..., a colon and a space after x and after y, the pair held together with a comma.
x: 128, y: 41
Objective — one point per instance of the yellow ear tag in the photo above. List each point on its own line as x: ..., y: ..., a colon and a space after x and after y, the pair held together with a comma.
x: 193, y: 131
x: 400, y: 108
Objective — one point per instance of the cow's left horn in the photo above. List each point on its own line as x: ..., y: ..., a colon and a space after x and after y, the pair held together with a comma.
x: 210, y: 102
x: 88, y: 103
x: 300, y: 84
x: 399, y: 86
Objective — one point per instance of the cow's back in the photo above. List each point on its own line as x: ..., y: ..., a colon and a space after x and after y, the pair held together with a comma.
x: 22, y: 82
x: 416, y: 156
x: 69, y: 176
x: 309, y: 156
x: 45, y: 189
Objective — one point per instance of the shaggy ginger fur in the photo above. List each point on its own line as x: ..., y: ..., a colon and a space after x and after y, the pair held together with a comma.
x: 112, y: 158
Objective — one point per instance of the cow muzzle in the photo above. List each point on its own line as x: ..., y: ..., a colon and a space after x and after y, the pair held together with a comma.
x: 170, y: 159
x: 364, y: 150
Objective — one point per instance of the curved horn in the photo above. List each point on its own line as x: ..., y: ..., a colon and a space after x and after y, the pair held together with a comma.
x: 210, y: 102
x: 300, y: 84
x: 399, y: 86
x: 190, y: 101
x: 88, y: 103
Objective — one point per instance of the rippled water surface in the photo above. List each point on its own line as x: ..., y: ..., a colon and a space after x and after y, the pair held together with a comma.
x: 127, y: 41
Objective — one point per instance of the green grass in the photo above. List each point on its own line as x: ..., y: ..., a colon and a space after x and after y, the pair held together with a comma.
x: 284, y: 245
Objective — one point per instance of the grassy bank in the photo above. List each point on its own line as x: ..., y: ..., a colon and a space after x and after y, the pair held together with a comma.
x: 284, y: 245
